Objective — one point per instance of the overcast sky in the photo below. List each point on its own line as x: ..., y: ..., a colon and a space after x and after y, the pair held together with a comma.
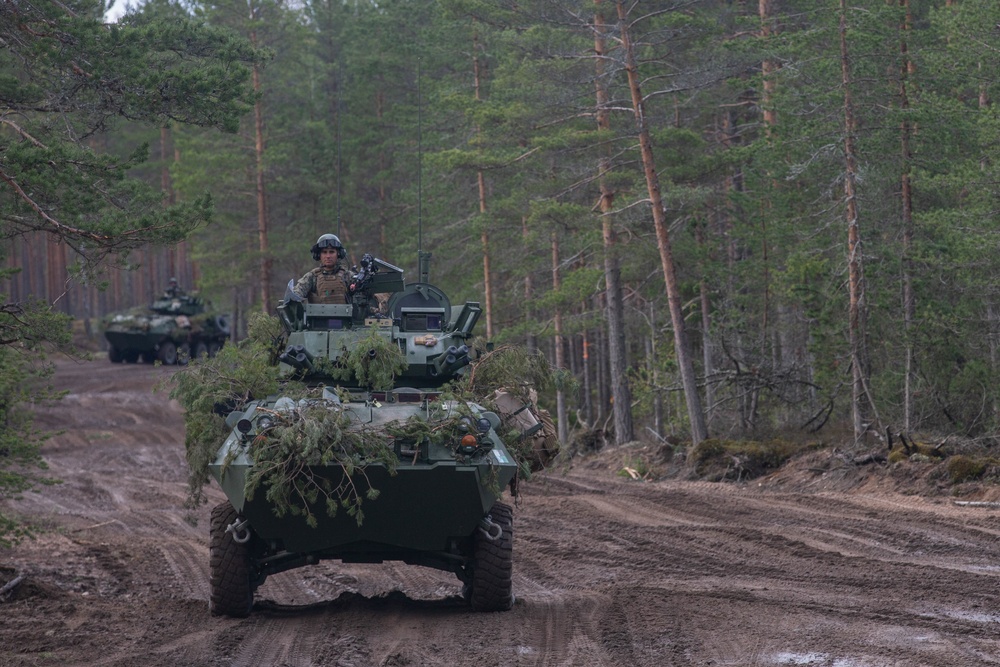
x: 117, y: 9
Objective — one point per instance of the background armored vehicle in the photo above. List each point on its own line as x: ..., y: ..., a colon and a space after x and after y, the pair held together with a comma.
x: 437, y: 496
x: 172, y: 329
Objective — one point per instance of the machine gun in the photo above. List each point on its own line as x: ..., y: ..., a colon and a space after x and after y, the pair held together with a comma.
x: 373, y: 278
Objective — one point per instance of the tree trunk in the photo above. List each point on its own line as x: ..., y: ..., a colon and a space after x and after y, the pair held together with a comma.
x: 601, y: 381
x: 655, y: 373
x: 855, y: 279
x: 587, y: 403
x: 481, y: 184
x: 56, y: 276
x: 706, y: 340
x: 620, y: 391
x: 562, y: 421
x: 768, y: 67
x: 262, y: 223
x: 906, y: 68
x: 699, y: 430
x: 529, y: 342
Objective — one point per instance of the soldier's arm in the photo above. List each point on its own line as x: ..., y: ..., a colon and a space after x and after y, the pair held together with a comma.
x: 304, y: 285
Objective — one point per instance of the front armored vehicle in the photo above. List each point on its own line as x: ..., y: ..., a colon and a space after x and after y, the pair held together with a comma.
x: 366, y: 468
x: 172, y: 330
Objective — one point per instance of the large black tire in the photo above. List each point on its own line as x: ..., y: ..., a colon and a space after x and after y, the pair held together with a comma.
x: 168, y: 353
x: 492, y: 586
x: 183, y: 354
x: 213, y: 349
x: 114, y: 354
x: 200, y: 351
x: 229, y: 567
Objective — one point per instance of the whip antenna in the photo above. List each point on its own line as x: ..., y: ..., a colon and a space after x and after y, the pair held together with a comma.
x: 423, y: 258
x: 340, y: 97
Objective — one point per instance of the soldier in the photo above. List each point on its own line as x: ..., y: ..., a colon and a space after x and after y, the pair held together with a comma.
x: 173, y: 291
x: 327, y: 283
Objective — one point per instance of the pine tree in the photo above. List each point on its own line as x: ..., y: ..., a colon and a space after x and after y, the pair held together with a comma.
x: 66, y: 78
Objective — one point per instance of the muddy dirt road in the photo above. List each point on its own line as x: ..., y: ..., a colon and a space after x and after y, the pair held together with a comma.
x: 607, y: 571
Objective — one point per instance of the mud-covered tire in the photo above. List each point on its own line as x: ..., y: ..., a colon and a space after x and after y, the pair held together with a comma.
x: 183, y: 354
x: 114, y: 355
x: 167, y: 353
x: 492, y: 583
x: 229, y: 567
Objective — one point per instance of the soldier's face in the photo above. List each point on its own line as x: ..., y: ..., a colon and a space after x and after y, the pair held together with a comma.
x: 328, y: 258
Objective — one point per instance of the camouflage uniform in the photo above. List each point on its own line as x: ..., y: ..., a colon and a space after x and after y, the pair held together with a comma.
x: 323, y: 286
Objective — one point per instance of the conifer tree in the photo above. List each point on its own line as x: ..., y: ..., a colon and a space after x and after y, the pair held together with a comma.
x: 66, y: 78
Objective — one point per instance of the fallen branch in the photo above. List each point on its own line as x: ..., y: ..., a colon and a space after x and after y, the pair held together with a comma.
x: 11, y: 585
x: 874, y: 457
x: 976, y: 503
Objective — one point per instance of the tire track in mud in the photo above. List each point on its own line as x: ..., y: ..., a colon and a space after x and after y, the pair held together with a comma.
x: 561, y: 636
x: 803, y: 553
x: 905, y: 537
x: 188, y: 563
x: 290, y: 640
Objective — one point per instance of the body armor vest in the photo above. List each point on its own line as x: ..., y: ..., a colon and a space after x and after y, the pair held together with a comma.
x: 330, y: 287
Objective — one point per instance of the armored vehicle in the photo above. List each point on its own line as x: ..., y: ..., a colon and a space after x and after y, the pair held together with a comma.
x: 437, y: 501
x: 173, y: 329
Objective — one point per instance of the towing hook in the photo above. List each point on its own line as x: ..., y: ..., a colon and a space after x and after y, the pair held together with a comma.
x: 492, y: 531
x: 241, y: 535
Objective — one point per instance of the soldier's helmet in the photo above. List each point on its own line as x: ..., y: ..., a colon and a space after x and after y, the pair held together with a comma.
x: 328, y: 241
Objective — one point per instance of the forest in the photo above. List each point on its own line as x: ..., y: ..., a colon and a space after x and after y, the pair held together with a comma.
x: 726, y: 219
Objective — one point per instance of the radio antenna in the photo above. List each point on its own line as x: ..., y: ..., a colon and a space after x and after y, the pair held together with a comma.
x: 340, y: 97
x: 423, y: 259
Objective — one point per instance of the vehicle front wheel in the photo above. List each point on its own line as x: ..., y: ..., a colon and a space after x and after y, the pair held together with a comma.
x: 168, y: 353
x: 229, y: 566
x: 492, y: 585
x: 114, y: 354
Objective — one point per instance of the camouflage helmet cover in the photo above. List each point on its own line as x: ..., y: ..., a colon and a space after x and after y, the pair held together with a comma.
x: 328, y: 241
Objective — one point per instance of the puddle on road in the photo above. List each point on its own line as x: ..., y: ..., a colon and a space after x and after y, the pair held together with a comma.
x: 975, y: 616
x: 786, y: 658
x: 815, y: 660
